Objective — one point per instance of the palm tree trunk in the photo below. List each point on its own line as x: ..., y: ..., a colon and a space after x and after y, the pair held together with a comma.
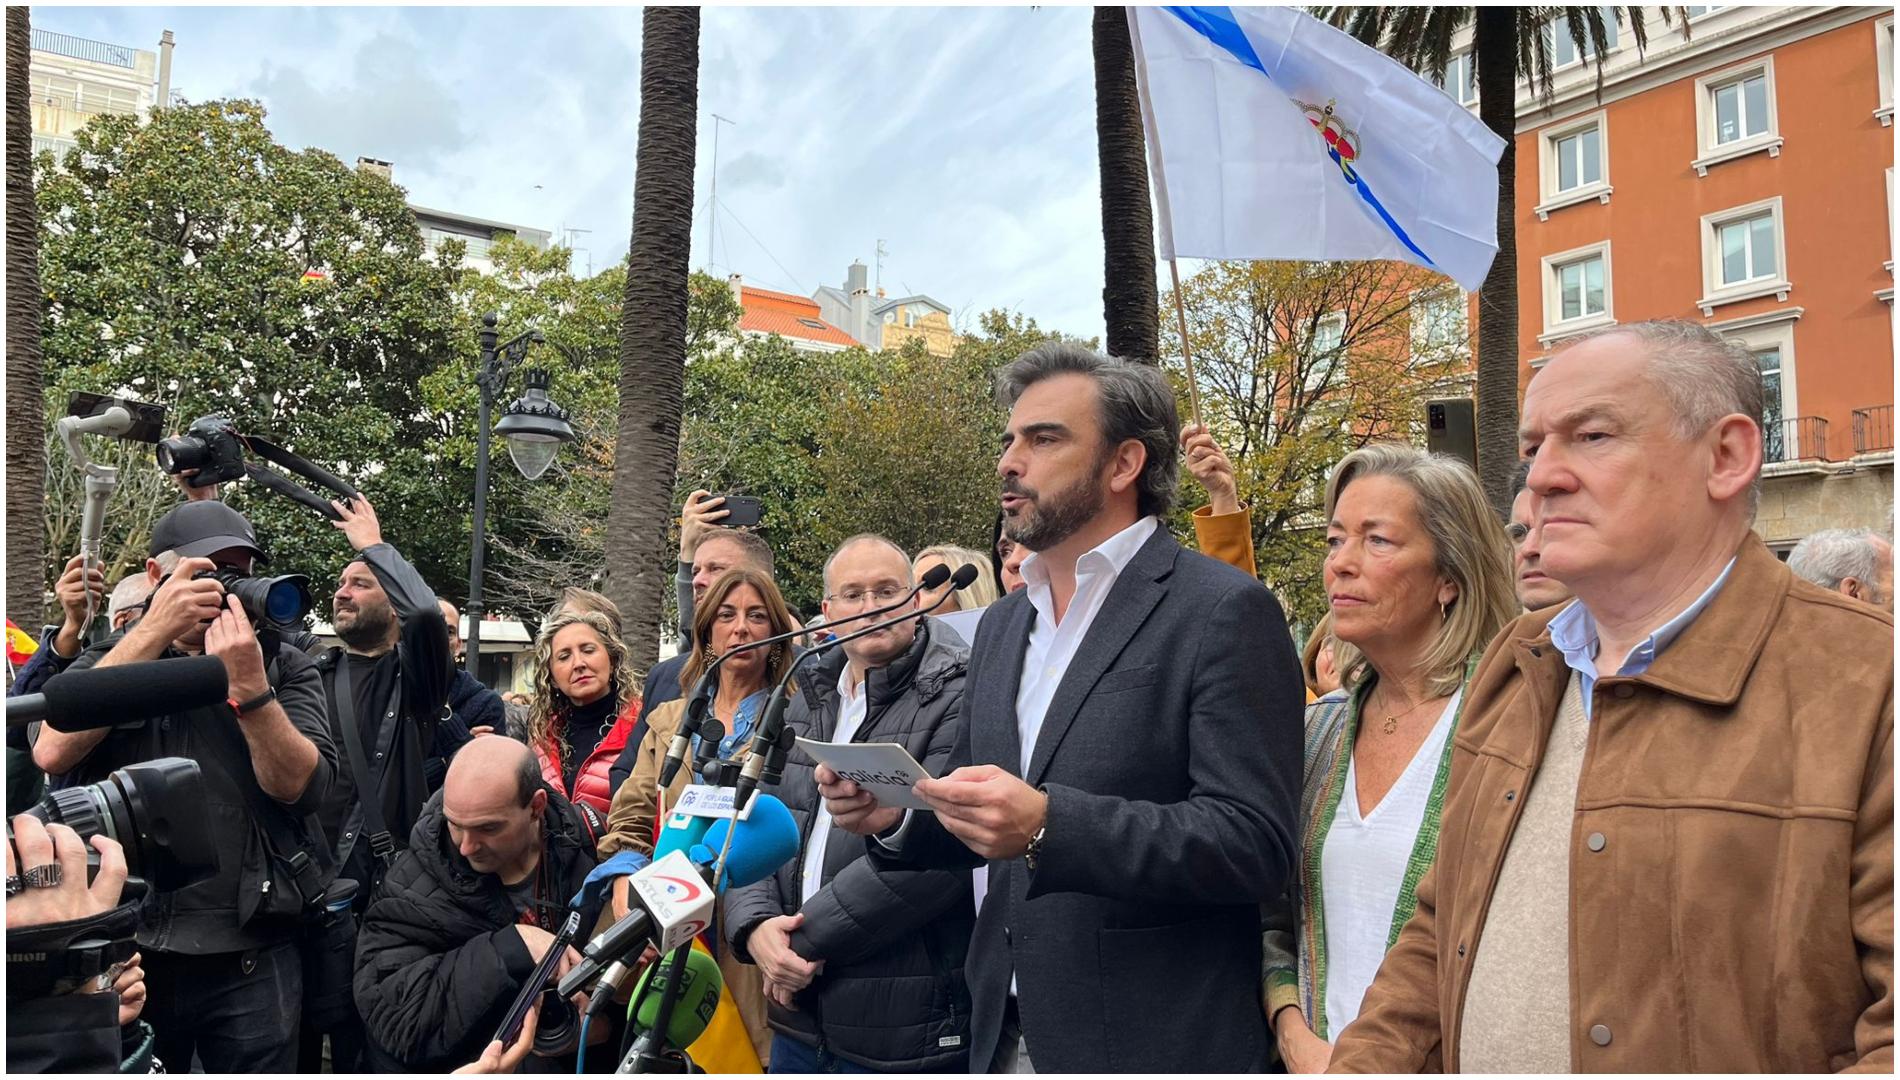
x: 1130, y: 306
x: 653, y: 325
x: 26, y: 436
x: 1494, y: 44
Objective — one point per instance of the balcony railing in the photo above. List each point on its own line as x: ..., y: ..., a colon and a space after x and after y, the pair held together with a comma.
x: 79, y: 48
x: 1873, y: 429
x: 1802, y: 438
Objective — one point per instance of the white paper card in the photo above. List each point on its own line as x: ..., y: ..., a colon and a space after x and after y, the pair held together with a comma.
x: 886, y: 770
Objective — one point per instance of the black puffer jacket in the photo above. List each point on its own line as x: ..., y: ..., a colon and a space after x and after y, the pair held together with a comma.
x: 438, y: 960
x: 891, y: 996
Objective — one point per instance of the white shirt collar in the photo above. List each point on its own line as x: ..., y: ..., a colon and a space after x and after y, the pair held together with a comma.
x: 1113, y: 554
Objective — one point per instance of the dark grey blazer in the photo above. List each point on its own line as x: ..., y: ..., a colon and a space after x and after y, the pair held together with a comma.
x: 1171, y: 757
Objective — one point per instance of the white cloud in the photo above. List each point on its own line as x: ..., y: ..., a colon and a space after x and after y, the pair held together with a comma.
x: 962, y: 137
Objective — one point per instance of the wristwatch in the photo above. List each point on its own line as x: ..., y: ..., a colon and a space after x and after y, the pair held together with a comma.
x: 1034, y: 850
x: 258, y: 702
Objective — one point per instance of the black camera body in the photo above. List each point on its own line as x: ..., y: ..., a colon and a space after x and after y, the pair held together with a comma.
x: 210, y: 445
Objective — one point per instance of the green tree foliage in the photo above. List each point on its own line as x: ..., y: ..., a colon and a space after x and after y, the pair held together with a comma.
x: 173, y: 260
x: 1299, y: 364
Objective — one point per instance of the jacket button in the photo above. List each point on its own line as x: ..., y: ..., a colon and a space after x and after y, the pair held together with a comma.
x: 1539, y: 653
x: 1596, y: 842
x: 1461, y: 950
x: 1510, y: 796
x: 1625, y: 691
x: 1600, y: 1035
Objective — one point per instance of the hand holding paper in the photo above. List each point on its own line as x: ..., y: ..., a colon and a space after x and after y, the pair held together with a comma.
x: 886, y: 771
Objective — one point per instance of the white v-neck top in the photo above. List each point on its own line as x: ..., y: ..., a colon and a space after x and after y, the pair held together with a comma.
x: 1362, y: 868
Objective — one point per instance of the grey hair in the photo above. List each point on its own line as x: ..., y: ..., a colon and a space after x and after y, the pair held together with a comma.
x: 131, y: 589
x: 167, y: 561
x: 1136, y: 403
x: 868, y: 538
x: 1704, y: 376
x: 1831, y: 556
x: 1469, y: 546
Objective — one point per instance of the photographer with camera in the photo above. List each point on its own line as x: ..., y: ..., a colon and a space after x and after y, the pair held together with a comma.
x: 221, y: 955
x: 59, y: 1020
x: 385, y: 687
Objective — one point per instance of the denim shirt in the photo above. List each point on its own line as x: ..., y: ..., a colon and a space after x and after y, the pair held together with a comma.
x: 1574, y: 632
x: 743, y: 719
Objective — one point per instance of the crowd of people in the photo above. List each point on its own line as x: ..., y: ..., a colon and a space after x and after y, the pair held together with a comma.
x: 1603, y: 787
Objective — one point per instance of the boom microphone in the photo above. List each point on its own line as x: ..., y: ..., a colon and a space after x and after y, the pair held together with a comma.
x: 123, y: 694
x: 700, y: 699
x: 774, y: 738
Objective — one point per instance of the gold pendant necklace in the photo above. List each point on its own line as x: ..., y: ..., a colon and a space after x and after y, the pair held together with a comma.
x: 1391, y: 725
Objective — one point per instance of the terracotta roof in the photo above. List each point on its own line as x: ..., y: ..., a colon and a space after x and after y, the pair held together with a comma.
x: 787, y: 325
x: 750, y: 296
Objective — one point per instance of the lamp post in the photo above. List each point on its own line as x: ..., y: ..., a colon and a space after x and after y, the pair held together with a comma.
x: 534, y: 426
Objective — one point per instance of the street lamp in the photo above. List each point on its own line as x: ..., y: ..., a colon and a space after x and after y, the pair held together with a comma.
x: 535, y: 428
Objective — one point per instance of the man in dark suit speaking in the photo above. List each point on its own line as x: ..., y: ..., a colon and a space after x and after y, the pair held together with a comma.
x: 1130, y: 761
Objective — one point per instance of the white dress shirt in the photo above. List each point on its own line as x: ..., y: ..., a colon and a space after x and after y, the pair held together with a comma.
x: 1052, y: 645
x: 851, y: 708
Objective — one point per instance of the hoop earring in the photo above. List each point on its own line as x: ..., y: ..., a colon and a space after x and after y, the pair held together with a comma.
x: 1444, y: 612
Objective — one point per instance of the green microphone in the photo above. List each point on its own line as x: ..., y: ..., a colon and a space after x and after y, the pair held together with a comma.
x: 697, y: 1000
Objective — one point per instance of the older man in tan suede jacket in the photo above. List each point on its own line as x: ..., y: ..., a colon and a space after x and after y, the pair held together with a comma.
x: 1668, y: 843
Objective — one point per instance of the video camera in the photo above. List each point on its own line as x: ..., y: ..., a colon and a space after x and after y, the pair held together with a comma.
x: 214, y: 446
x: 154, y: 809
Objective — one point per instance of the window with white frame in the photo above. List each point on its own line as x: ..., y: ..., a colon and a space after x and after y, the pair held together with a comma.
x: 1578, y: 293
x: 1563, y: 49
x: 1696, y: 11
x: 1438, y: 325
x: 1744, y: 254
x: 1883, y: 59
x: 1461, y: 78
x: 1580, y: 289
x: 1329, y: 335
x: 1736, y: 114
x: 1741, y: 108
x: 1578, y: 157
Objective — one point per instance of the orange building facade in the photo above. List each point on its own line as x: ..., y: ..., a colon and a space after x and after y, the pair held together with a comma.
x: 1742, y: 179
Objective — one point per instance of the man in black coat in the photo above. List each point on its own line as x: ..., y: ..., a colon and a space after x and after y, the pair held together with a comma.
x: 468, y: 911
x: 864, y: 964
x: 1131, y: 755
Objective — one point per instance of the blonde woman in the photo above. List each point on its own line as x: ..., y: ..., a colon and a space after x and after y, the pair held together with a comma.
x: 1418, y: 578
x: 584, y: 705
x: 981, y: 593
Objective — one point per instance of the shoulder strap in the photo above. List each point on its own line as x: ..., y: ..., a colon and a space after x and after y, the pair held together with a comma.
x: 369, y: 790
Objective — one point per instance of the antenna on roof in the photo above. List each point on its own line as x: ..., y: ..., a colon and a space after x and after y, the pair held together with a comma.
x: 712, y: 200
x: 879, y: 280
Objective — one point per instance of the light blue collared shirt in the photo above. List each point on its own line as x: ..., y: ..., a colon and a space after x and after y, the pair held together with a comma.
x: 1574, y: 632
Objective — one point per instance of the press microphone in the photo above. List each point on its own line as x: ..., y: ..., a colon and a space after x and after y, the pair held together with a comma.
x: 125, y: 693
x: 698, y: 701
x: 696, y: 1000
x: 772, y: 731
x: 669, y: 899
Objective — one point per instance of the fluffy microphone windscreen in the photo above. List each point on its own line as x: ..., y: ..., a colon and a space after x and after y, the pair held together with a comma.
x: 698, y: 997
x: 764, y: 841
x: 102, y: 697
x: 682, y: 831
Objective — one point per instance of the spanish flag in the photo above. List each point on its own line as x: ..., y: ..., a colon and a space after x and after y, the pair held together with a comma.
x: 20, y: 645
x: 725, y: 1046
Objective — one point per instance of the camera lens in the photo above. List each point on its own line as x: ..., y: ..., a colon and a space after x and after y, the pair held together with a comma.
x: 155, y: 810
x: 184, y: 452
x: 555, y: 1032
x: 280, y: 601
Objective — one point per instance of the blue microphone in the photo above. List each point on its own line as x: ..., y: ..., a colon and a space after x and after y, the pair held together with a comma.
x: 766, y: 840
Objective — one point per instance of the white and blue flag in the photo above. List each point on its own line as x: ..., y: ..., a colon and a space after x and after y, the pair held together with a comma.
x: 1274, y: 136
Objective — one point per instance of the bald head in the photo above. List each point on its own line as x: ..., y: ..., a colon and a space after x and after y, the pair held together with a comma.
x: 492, y: 802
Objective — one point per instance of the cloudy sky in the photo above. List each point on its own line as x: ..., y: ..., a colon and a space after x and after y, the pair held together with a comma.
x: 964, y: 138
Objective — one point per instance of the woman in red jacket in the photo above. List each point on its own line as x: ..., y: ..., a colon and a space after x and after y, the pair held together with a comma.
x: 584, y: 705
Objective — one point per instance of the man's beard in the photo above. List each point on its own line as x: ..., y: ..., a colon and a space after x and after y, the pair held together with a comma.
x: 1048, y: 521
x: 369, y: 632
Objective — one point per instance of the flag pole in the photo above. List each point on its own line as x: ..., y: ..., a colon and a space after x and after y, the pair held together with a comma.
x: 1187, y: 354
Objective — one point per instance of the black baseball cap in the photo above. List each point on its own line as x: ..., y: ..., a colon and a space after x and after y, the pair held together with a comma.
x: 196, y: 529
